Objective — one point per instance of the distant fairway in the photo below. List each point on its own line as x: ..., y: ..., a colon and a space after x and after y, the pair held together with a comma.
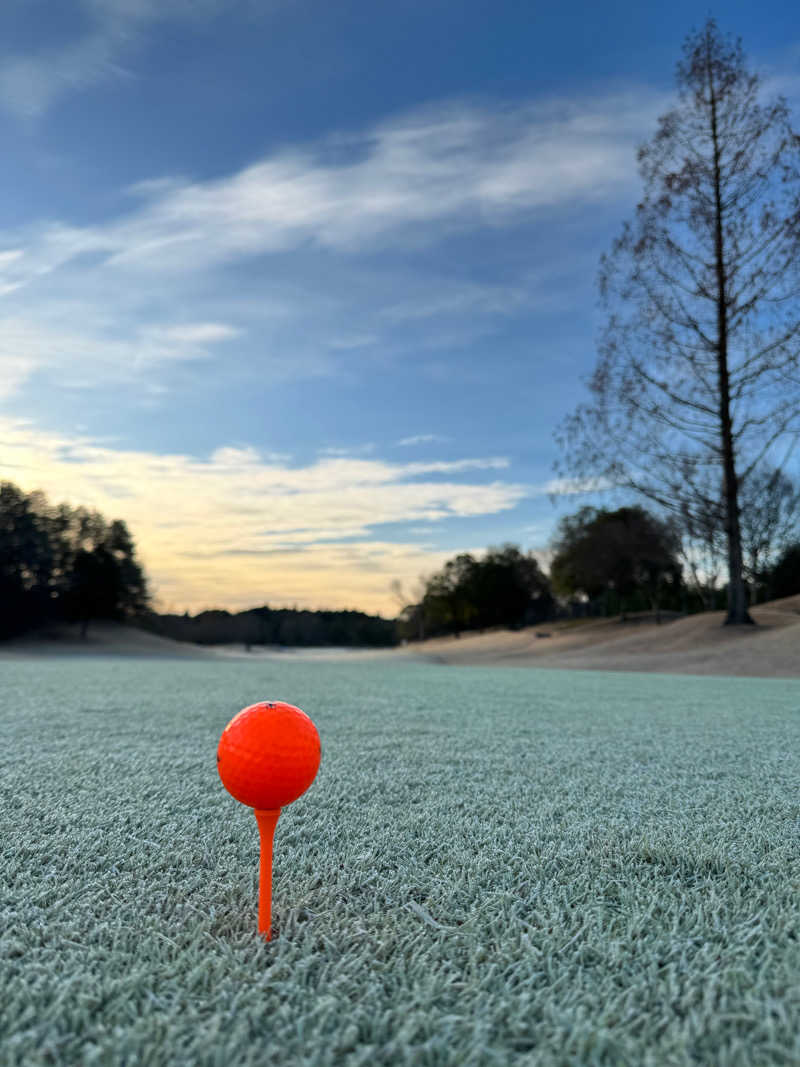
x: 492, y: 867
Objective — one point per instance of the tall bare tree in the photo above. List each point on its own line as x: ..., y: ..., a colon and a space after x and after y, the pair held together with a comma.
x: 698, y: 376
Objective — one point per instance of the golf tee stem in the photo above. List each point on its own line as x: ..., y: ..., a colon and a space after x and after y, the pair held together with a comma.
x: 267, y: 821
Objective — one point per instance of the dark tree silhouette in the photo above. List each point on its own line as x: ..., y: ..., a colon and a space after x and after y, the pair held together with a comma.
x: 132, y: 595
x: 63, y: 563
x: 94, y: 587
x: 275, y: 626
x: 509, y: 589
x: 785, y: 576
x: 26, y: 561
x: 452, y: 600
x: 624, y: 552
x: 504, y: 588
x: 698, y: 377
x: 105, y: 580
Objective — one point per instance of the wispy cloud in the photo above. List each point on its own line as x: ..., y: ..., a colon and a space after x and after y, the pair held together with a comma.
x: 421, y: 439
x: 457, y: 165
x: 114, y: 31
x: 30, y: 83
x: 199, y: 333
x: 353, y: 450
x: 413, y: 178
x: 574, y: 486
x: 94, y: 303
x: 84, y: 353
x: 242, y: 527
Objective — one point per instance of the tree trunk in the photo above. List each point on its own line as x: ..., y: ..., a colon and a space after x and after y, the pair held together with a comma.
x: 737, y: 590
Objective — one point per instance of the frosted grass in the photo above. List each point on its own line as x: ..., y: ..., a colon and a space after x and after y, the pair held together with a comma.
x: 493, y: 867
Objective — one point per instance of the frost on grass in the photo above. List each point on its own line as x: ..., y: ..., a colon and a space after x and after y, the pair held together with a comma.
x: 492, y: 867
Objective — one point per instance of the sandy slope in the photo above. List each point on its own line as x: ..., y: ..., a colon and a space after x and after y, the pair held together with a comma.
x: 107, y: 638
x: 697, y: 644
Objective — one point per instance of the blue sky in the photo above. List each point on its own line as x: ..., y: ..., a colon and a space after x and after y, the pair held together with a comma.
x: 301, y: 290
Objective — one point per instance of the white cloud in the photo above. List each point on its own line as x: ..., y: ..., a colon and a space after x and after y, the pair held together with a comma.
x: 82, y: 357
x: 10, y: 256
x: 353, y: 450
x: 93, y: 305
x: 241, y: 527
x: 237, y: 457
x: 198, y: 333
x: 574, y: 486
x: 450, y: 467
x: 30, y: 83
x: 457, y: 165
x: 421, y: 439
x: 412, y: 178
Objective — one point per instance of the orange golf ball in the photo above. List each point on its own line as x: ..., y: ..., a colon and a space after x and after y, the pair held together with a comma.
x: 268, y: 755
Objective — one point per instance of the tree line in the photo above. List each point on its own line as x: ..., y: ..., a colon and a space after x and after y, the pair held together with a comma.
x: 60, y: 563
x: 275, y: 626
x: 604, y: 562
x: 504, y: 588
x: 65, y: 564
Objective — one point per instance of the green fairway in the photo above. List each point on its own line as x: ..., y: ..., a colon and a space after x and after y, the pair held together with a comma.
x: 492, y: 867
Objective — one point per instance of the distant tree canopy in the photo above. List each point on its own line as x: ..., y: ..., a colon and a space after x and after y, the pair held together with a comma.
x: 504, y: 588
x: 275, y: 626
x: 628, y: 558
x: 784, y: 579
x: 60, y: 563
x: 608, y: 562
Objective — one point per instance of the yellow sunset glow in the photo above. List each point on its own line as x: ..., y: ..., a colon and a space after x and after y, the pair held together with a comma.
x: 238, y: 530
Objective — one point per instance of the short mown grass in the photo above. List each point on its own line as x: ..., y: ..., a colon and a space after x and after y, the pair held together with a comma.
x: 492, y: 867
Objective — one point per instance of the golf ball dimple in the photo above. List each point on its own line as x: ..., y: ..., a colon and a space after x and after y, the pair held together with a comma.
x: 268, y: 755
